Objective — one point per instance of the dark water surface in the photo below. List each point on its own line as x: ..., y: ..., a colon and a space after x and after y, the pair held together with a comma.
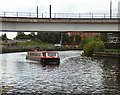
x: 74, y: 75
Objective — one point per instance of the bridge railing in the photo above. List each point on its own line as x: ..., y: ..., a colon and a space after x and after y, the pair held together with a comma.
x: 83, y: 15
x: 17, y: 14
x: 57, y: 15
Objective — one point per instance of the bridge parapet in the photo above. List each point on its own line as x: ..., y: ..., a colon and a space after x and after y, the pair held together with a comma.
x: 60, y: 20
x: 58, y: 15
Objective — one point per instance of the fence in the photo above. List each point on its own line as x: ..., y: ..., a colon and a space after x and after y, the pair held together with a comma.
x: 57, y: 15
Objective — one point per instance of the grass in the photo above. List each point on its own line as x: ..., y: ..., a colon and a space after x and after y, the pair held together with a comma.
x: 35, y: 44
x: 112, y: 50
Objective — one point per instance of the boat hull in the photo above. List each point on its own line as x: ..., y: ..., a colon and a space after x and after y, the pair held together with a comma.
x: 44, y: 61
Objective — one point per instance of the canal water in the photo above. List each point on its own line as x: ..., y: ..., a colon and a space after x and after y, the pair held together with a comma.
x: 74, y: 75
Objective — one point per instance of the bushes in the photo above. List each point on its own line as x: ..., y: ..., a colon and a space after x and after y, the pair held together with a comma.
x: 89, y: 48
x: 99, y: 47
x: 92, y: 44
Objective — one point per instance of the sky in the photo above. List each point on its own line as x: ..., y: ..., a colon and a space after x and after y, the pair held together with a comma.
x: 58, y: 6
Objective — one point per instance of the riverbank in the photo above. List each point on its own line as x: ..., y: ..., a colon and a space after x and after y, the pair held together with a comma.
x: 33, y: 45
x: 106, y: 54
x: 25, y: 49
x: 12, y: 50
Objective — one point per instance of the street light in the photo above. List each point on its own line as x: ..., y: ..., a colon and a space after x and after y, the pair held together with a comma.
x: 110, y: 8
x: 37, y: 11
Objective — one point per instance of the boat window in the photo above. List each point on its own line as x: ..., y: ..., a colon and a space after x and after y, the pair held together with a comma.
x: 39, y: 54
x: 34, y: 53
x: 44, y: 54
x: 51, y: 54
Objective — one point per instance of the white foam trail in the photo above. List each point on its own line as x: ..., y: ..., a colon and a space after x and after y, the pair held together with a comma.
x: 71, y: 56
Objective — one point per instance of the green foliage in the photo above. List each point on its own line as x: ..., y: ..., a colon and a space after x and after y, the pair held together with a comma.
x: 86, y: 41
x: 91, y: 45
x: 89, y: 48
x: 53, y: 37
x: 0, y: 37
x: 78, y: 38
x: 27, y: 43
x: 66, y: 39
x: 104, y: 37
x: 99, y: 47
x: 23, y: 36
x: 4, y: 37
x: 73, y: 39
x: 113, y: 50
x: 34, y: 44
x: 50, y: 37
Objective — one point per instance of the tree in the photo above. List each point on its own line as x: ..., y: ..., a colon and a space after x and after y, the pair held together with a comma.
x: 89, y: 48
x: 104, y: 37
x: 54, y: 37
x: 32, y: 33
x: 4, y: 37
x: 23, y: 36
x: 0, y: 37
x: 85, y: 41
x: 78, y: 38
x: 92, y: 44
x: 49, y: 37
x: 65, y: 38
x: 42, y: 36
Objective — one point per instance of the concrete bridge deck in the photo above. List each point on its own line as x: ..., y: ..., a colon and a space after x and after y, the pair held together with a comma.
x: 60, y: 20
x: 24, y: 24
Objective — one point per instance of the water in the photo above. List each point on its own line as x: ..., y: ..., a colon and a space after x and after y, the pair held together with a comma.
x: 74, y: 75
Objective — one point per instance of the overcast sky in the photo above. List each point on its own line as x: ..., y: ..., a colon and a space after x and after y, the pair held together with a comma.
x: 58, y: 6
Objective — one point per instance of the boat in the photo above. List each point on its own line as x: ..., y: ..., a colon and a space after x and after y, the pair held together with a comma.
x: 44, y: 57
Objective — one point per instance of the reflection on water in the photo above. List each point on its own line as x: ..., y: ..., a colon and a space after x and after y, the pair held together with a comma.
x: 111, y: 74
x: 74, y: 75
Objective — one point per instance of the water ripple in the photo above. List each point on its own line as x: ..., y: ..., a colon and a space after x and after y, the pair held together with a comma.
x: 75, y: 74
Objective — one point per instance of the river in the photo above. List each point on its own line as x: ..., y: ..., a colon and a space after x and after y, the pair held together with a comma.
x: 74, y: 75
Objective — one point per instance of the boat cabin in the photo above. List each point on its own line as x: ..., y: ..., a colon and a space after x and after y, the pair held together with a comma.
x: 44, y: 57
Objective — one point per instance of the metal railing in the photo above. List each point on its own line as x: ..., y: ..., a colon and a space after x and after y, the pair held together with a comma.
x: 17, y: 14
x: 83, y: 15
x: 57, y: 15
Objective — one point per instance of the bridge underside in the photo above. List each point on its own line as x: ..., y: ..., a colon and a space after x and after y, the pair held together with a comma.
x: 58, y: 25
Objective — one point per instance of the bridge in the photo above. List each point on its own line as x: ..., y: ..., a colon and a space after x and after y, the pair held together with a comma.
x: 65, y: 24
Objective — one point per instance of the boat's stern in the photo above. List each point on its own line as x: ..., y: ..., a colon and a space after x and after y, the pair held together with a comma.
x: 50, y: 61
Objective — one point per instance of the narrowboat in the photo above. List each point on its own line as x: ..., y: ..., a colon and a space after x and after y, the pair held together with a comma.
x: 44, y: 57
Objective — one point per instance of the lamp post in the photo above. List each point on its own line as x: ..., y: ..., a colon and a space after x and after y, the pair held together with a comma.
x: 110, y: 8
x: 37, y: 11
x: 50, y: 11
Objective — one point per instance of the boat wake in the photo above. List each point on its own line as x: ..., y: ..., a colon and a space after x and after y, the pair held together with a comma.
x: 67, y: 57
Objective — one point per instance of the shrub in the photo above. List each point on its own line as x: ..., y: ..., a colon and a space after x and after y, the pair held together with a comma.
x: 89, y: 48
x: 91, y: 45
x: 99, y: 47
